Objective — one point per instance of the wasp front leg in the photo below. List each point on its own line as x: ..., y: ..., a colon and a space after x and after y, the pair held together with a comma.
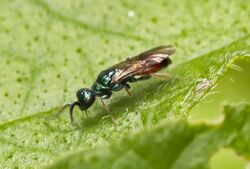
x: 106, y: 96
x: 108, y: 110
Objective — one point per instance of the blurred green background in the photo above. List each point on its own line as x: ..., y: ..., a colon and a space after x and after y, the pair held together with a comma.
x: 233, y: 87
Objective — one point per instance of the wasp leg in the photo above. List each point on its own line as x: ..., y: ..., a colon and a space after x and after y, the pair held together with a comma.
x: 108, y: 110
x: 105, y: 106
x: 145, y: 77
x: 86, y: 113
x: 165, y: 76
x: 127, y: 87
x: 82, y: 117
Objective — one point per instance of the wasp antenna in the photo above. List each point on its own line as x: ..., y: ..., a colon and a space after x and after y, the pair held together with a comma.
x: 64, y: 107
x: 72, y: 105
x: 59, y: 112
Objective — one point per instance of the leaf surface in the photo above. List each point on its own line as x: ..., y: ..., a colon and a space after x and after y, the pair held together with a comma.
x: 175, y: 145
x: 50, y: 49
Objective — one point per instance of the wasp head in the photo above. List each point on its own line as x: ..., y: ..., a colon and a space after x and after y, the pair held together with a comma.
x: 85, y: 97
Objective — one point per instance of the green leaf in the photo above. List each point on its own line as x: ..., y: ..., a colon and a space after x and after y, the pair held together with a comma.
x: 49, y: 49
x: 176, y: 145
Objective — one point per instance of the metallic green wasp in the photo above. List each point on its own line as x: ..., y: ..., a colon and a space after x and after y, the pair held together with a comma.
x: 118, y: 77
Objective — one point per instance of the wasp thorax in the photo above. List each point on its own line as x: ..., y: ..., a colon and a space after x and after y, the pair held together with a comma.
x: 85, y: 97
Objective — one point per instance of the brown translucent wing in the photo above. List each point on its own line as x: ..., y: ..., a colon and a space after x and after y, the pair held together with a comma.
x: 142, y: 64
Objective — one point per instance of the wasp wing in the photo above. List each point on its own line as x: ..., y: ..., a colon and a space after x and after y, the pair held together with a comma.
x: 142, y: 64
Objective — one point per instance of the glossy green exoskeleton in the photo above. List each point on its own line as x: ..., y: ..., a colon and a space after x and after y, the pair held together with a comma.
x: 117, y: 77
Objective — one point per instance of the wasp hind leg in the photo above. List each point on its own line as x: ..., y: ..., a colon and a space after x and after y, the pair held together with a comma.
x: 165, y: 76
x: 140, y: 78
x: 134, y: 79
